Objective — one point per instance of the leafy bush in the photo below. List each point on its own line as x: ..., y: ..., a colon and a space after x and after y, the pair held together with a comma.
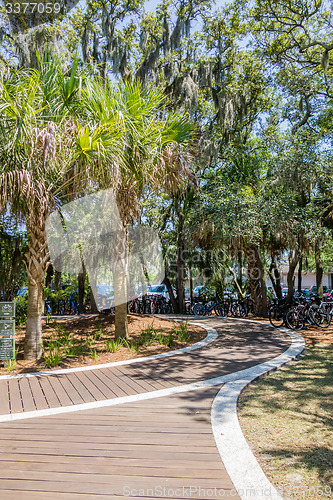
x: 21, y: 308
x: 181, y: 331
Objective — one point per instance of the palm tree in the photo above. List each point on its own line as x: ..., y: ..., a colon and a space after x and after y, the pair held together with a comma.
x: 45, y: 159
x: 153, y: 154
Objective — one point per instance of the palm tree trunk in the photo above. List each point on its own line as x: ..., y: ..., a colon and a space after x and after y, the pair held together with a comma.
x: 37, y: 263
x: 33, y: 344
x: 120, y: 295
x: 121, y: 286
x: 180, y: 264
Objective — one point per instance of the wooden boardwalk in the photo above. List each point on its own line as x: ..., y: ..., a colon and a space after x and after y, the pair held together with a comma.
x: 158, y: 448
x: 239, y: 346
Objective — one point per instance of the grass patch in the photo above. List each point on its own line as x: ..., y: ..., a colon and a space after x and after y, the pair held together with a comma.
x: 287, y: 419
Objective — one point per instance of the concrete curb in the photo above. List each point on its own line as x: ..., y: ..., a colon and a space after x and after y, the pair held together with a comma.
x: 239, y: 461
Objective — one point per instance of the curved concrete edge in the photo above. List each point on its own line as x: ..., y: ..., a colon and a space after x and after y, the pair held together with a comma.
x: 211, y: 336
x: 237, y: 457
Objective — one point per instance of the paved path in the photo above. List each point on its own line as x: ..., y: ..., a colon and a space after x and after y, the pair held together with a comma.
x: 134, y: 449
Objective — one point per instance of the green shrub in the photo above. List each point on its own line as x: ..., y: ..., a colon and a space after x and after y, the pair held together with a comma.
x: 181, y: 331
x: 53, y: 359
x: 21, y: 308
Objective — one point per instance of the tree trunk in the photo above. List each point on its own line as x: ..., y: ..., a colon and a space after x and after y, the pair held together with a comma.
x: 57, y: 280
x: 256, y: 278
x: 299, y: 274
x: 37, y: 263
x: 180, y: 265
x: 81, y: 281
x: 120, y: 296
x: 93, y: 292
x: 294, y: 257
x: 173, y: 300
x: 319, y: 269
x: 120, y: 277
x: 240, y: 265
x: 191, y: 283
x: 33, y: 344
x: 275, y: 278
x: 49, y: 275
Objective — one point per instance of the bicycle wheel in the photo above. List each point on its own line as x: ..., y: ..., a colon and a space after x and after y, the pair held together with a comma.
x: 321, y: 317
x: 276, y: 317
x: 220, y: 310
x: 153, y: 308
x: 294, y: 320
x: 199, y: 309
x: 238, y: 310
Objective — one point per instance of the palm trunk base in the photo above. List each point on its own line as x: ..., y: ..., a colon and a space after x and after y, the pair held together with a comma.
x: 33, y: 345
x: 121, y: 322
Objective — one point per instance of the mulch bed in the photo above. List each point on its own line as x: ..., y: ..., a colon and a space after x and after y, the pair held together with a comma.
x: 83, y: 328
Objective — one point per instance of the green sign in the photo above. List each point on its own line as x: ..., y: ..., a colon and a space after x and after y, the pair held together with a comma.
x: 7, y: 328
x: 7, y: 309
x: 7, y: 348
x: 7, y: 331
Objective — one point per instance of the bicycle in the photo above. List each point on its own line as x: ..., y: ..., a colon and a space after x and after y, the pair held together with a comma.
x: 48, y: 307
x: 301, y: 314
x: 202, y: 309
x: 277, y: 311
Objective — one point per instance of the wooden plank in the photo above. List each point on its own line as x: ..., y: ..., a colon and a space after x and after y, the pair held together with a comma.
x: 114, y: 488
x: 81, y: 388
x: 85, y: 461
x: 37, y: 393
x: 154, y: 427
x: 51, y: 397
x: 117, y: 381
x: 102, y: 382
x: 96, y: 467
x: 155, y: 380
x: 134, y: 452
x: 15, y: 396
x: 26, y: 395
x: 59, y: 390
x: 40, y: 495
x: 4, y: 397
x: 119, y: 442
x: 72, y: 393
x: 137, y: 385
x: 75, y: 445
x: 88, y: 382
x: 117, y: 389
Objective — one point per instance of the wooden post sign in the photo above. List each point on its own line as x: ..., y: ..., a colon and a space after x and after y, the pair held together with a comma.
x: 7, y: 330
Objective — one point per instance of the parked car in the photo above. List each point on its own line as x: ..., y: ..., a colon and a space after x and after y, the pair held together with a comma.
x: 200, y: 292
x: 313, y: 289
x: 158, y: 290
x: 22, y: 291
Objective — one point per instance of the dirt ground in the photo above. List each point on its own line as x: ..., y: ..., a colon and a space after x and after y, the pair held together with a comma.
x: 96, y: 330
x: 313, y: 335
